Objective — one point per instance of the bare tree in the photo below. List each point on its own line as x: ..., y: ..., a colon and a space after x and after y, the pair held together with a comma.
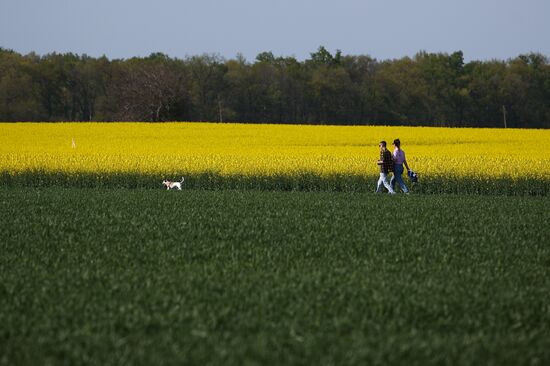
x: 150, y: 90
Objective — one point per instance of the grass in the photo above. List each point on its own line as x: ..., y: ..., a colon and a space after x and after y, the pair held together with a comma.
x: 117, y: 276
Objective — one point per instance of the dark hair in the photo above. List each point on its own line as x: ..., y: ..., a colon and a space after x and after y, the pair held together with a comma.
x: 397, y: 142
x: 383, y: 143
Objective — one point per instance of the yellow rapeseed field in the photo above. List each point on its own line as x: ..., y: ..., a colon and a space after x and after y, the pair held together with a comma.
x: 175, y: 149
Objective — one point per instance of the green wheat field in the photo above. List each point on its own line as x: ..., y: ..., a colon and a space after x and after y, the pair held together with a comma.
x: 112, y: 276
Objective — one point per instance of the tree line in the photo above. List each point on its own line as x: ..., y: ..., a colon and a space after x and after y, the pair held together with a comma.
x: 429, y: 89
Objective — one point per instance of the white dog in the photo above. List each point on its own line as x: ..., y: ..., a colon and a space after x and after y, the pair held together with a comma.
x: 173, y: 185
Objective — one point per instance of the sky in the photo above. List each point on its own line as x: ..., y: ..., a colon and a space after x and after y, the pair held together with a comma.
x: 383, y: 29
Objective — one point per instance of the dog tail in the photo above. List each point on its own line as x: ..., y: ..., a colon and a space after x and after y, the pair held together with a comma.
x: 182, y: 180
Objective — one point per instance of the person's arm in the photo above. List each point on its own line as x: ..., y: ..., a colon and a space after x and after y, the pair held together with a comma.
x: 405, y: 162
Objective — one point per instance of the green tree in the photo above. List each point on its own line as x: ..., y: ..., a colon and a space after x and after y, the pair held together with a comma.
x: 19, y: 93
x: 206, y: 74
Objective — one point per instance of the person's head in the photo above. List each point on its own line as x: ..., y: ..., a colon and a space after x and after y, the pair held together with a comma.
x: 397, y: 143
x: 382, y: 145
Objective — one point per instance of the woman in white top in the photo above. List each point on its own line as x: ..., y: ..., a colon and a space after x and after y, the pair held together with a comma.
x: 398, y: 162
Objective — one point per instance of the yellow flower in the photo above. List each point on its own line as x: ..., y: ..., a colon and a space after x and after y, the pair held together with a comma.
x: 267, y: 150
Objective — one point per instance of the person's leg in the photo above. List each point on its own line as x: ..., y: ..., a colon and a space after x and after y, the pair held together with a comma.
x: 402, y: 184
x: 398, y: 175
x: 387, y: 183
x: 380, y: 183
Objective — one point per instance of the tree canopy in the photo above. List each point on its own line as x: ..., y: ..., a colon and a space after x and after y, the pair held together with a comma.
x: 429, y: 89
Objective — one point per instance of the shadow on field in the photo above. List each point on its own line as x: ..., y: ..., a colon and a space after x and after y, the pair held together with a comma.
x: 296, y: 182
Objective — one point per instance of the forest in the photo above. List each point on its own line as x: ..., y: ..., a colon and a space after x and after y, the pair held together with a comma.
x: 429, y: 89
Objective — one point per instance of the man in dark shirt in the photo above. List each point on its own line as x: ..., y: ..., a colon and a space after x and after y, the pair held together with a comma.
x: 386, y: 165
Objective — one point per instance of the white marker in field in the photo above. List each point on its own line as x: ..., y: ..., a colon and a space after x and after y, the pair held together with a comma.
x: 73, y: 144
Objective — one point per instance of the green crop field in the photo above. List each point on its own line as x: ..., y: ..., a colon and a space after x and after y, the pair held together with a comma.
x: 120, y: 276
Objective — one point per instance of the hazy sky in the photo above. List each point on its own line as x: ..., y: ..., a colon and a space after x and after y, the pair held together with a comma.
x: 384, y: 29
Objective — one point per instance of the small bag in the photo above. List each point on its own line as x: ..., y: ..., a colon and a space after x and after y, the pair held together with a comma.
x: 412, y: 176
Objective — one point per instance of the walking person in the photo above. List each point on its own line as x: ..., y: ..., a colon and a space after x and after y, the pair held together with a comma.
x: 398, y: 162
x: 386, y: 165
